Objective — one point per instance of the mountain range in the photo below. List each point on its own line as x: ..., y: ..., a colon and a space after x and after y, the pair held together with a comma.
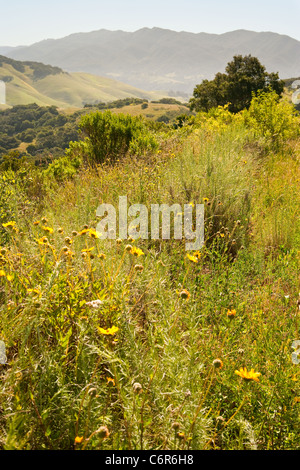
x: 161, y: 59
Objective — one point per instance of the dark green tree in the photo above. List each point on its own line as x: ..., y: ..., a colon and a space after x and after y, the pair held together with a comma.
x: 244, y: 76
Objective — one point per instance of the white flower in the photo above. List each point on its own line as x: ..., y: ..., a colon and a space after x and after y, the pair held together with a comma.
x: 94, y: 303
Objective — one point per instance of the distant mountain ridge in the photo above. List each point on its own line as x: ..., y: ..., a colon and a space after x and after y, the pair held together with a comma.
x: 162, y: 59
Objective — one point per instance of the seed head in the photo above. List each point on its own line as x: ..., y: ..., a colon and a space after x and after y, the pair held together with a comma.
x: 218, y: 364
x: 175, y: 426
x: 139, y: 268
x: 103, y: 432
x: 184, y: 294
x: 137, y: 388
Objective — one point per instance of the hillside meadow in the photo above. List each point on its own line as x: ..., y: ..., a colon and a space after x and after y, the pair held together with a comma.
x: 139, y: 344
x: 34, y: 82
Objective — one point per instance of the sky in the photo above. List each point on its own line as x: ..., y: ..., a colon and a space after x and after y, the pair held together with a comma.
x: 26, y: 22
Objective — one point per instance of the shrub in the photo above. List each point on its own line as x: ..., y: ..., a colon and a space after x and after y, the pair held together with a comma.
x: 272, y: 119
x: 111, y: 136
x: 63, y: 168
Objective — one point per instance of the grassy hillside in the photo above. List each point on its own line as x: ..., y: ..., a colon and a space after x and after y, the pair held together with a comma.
x: 138, y: 343
x: 31, y: 82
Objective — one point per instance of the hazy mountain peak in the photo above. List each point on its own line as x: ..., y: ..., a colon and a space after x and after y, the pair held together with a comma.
x: 162, y: 59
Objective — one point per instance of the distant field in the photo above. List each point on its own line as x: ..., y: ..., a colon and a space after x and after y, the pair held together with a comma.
x: 154, y: 111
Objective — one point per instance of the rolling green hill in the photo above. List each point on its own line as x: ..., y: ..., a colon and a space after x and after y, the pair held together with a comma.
x: 33, y: 82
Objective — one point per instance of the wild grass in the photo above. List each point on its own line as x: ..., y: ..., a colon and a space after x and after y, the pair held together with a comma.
x: 152, y: 363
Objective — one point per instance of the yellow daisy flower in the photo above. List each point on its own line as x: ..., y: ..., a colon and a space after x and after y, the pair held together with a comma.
x: 231, y: 313
x: 194, y: 259
x: 10, y: 224
x: 248, y: 375
x: 136, y: 251
x: 48, y: 229
x: 110, y: 331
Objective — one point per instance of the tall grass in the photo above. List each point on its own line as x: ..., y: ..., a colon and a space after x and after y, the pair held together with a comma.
x: 152, y: 364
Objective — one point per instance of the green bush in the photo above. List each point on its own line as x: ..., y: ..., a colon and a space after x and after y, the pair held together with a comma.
x: 272, y: 119
x: 63, y: 168
x: 111, y: 136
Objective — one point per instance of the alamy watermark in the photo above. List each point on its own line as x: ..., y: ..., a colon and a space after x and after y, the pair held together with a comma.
x: 2, y: 92
x: 296, y: 353
x: 3, y: 358
x: 161, y: 222
x: 296, y: 94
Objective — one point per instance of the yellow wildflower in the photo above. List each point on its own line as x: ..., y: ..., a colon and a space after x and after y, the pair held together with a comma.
x: 110, y: 380
x: 248, y: 375
x: 43, y: 241
x: 136, y: 251
x: 94, y: 234
x: 48, y: 229
x: 9, y: 225
x: 231, y: 313
x: 110, y: 331
x: 194, y: 259
x: 87, y: 250
x: 78, y: 440
x: 2, y: 273
x: 83, y: 231
x: 34, y: 291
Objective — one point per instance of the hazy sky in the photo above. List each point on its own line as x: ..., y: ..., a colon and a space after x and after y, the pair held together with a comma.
x: 24, y: 22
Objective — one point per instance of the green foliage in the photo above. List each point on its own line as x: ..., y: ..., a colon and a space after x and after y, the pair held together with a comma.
x: 17, y: 65
x: 244, y: 76
x: 40, y: 70
x: 63, y: 168
x: 168, y: 101
x: 111, y: 136
x: 45, y: 129
x: 13, y: 161
x: 117, y: 103
x: 274, y: 120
